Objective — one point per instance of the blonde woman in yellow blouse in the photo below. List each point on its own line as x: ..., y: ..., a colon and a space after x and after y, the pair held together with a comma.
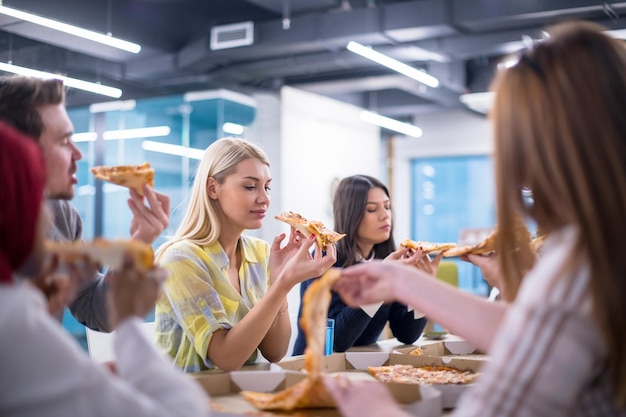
x: 226, y: 295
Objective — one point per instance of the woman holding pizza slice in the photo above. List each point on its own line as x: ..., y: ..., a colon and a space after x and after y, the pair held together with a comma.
x: 362, y: 210
x: 226, y: 295
x: 558, y: 348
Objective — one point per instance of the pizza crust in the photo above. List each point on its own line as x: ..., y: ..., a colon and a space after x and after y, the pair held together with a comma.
x: 105, y: 252
x: 324, y: 236
x: 131, y: 176
x: 310, y: 392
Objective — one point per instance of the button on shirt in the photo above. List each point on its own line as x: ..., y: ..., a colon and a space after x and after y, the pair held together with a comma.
x: 198, y: 298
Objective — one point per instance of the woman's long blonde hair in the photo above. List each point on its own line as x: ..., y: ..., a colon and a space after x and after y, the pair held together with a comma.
x: 560, y: 131
x: 200, y: 224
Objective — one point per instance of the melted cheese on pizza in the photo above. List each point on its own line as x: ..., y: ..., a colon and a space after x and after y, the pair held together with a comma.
x: 131, y: 176
x: 324, y: 236
x: 408, y: 374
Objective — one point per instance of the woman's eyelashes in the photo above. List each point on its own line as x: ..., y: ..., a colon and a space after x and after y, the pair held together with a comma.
x: 372, y: 209
x: 253, y: 187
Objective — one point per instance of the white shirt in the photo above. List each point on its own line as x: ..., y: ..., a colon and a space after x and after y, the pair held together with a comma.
x: 45, y: 372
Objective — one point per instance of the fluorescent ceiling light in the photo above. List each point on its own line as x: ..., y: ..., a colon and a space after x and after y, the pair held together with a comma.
x: 480, y: 102
x: 391, y: 124
x: 84, y: 137
x: 143, y: 132
x: 233, y: 128
x: 617, y: 33
x: 219, y: 94
x: 72, y: 30
x: 119, y: 105
x: 170, y: 149
x: 70, y: 82
x: 393, y: 64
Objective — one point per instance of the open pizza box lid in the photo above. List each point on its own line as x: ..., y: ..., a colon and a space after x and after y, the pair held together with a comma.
x: 224, y: 388
x: 443, y: 348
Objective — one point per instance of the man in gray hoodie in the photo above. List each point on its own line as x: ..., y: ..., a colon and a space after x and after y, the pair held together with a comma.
x: 36, y: 107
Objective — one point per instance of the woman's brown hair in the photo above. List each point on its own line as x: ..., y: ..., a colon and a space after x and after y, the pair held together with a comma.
x: 560, y: 132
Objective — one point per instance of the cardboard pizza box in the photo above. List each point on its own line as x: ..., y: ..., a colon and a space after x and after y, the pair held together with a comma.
x: 359, y: 361
x: 450, y: 393
x: 443, y: 348
x: 224, y: 388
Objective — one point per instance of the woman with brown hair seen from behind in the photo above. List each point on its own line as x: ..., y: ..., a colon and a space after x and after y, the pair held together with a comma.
x: 560, y: 132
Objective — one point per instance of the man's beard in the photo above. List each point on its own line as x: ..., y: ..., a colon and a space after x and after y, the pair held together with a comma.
x: 62, y: 195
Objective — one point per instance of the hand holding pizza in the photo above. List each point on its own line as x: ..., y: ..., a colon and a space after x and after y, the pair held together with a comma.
x: 430, y: 266
x: 372, y: 282
x: 149, y: 220
x: 280, y: 256
x: 304, y: 266
x: 362, y: 398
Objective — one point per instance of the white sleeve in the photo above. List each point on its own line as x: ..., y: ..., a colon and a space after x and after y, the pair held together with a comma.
x: 148, y: 369
x: 45, y: 372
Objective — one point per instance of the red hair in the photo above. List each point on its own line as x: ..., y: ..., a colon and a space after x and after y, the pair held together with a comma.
x: 22, y: 179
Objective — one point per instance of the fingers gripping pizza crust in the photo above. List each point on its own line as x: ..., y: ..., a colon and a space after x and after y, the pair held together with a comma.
x: 310, y: 392
x: 131, y: 176
x: 427, y: 247
x: 324, y: 236
x: 105, y: 252
x: 522, y: 239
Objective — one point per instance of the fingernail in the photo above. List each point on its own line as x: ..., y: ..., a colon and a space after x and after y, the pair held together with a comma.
x: 312, y: 236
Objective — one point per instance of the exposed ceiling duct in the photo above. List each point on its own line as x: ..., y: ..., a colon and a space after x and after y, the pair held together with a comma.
x: 458, y: 41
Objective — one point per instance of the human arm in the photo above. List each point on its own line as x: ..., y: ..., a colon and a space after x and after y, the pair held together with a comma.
x: 47, y: 356
x: 362, y: 398
x: 464, y: 314
x: 545, y: 360
x: 149, y: 220
x: 222, y: 330
x: 263, y: 327
x: 89, y: 306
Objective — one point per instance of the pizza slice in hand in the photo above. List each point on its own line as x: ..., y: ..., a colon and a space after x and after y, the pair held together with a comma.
x: 131, y: 176
x: 427, y: 247
x: 106, y: 252
x: 324, y: 236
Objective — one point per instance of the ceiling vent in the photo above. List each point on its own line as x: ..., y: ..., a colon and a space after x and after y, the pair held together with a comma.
x: 232, y: 36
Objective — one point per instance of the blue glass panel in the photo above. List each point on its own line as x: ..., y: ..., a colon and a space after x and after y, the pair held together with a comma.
x: 448, y: 195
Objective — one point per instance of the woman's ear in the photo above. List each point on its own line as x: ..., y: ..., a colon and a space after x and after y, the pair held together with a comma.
x: 211, y: 188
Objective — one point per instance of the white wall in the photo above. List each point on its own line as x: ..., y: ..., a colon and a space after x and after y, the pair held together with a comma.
x: 321, y: 140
